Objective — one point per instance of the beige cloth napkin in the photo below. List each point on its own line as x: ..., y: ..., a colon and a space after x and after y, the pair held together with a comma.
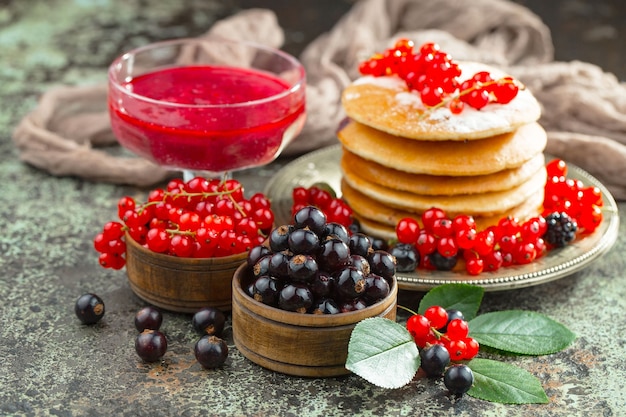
x: 584, y: 108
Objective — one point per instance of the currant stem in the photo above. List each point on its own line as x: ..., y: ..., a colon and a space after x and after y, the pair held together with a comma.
x: 408, y: 310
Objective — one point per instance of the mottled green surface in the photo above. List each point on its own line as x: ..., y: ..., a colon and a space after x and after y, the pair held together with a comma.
x: 50, y: 364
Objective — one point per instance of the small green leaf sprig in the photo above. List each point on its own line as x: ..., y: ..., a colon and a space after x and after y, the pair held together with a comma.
x: 384, y: 353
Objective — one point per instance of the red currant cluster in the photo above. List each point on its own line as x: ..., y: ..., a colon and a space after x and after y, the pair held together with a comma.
x: 199, y: 218
x: 434, y: 75
x: 446, y: 328
x: 335, y: 209
x: 441, y: 241
x: 582, y: 203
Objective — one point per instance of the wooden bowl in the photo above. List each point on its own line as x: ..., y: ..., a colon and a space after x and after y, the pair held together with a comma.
x: 182, y: 285
x: 307, y: 345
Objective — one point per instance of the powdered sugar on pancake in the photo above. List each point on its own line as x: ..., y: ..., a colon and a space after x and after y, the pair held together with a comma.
x: 385, y: 103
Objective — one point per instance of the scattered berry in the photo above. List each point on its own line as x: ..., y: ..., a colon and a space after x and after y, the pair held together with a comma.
x: 211, y: 351
x: 148, y: 318
x: 458, y: 378
x: 150, y: 345
x: 89, y: 308
x: 209, y: 320
x: 434, y: 360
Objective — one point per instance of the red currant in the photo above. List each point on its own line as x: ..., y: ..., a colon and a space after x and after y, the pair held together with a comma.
x: 407, y: 230
x: 437, y: 316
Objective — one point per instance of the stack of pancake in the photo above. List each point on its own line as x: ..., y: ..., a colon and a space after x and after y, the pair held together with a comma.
x: 400, y: 159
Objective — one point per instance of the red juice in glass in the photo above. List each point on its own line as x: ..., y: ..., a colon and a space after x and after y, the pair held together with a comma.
x: 214, y: 118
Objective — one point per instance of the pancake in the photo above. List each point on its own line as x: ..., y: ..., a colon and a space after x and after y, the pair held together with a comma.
x: 424, y: 184
x: 450, y: 158
x: 380, y: 220
x: 483, y: 204
x: 385, y: 103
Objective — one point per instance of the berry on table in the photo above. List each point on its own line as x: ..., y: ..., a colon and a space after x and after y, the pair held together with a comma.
x: 434, y: 360
x: 209, y: 320
x: 458, y: 379
x: 150, y: 345
x: 89, y: 308
x: 211, y: 351
x: 148, y: 318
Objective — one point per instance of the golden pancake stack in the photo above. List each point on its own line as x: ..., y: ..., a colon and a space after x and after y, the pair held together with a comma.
x: 401, y: 158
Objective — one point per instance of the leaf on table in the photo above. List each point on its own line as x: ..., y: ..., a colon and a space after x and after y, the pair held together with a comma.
x: 382, y: 352
x: 463, y: 297
x: 521, y: 332
x: 504, y: 383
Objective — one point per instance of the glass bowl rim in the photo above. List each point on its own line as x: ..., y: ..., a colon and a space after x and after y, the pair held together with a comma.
x: 299, y: 84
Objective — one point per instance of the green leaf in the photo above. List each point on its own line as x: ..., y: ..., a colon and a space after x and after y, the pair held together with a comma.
x: 382, y: 352
x: 521, y: 332
x: 504, y: 383
x: 463, y: 297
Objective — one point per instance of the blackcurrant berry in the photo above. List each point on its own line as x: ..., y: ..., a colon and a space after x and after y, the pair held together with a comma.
x: 337, y: 230
x: 148, y: 318
x: 376, y: 288
x: 382, y: 263
x: 359, y: 262
x: 360, y: 244
x: 452, y: 314
x: 89, y: 308
x: 302, y: 268
x: 279, y: 265
x: 211, y: 351
x: 310, y: 217
x: 326, y: 306
x: 257, y: 253
x: 379, y: 244
x: 265, y: 289
x: 303, y: 241
x: 333, y: 254
x: 150, y: 345
x: 322, y: 285
x: 458, y: 379
x: 262, y: 266
x: 353, y: 305
x: 279, y: 238
x: 295, y: 297
x: 407, y: 257
x: 443, y: 263
x: 350, y: 283
x: 435, y: 359
x: 209, y: 320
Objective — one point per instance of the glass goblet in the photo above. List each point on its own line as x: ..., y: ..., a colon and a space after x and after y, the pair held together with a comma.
x: 206, y: 106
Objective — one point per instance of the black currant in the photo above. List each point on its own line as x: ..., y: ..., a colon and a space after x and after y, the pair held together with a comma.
x: 150, y: 345
x: 458, y: 378
x: 303, y: 241
x: 376, y: 288
x: 211, y: 351
x: 257, y: 253
x: 350, y: 283
x: 333, y: 255
x: 407, y: 257
x: 359, y: 262
x: 355, y: 227
x: 452, y: 314
x: 360, y: 244
x: 379, y: 244
x: 434, y: 360
x: 209, y: 320
x: 279, y: 265
x: 89, y: 308
x: 262, y: 266
x: 322, y: 285
x: 310, y: 217
x: 295, y: 297
x: 336, y: 230
x: 302, y: 268
x: 353, y: 305
x: 382, y: 263
x: 265, y: 289
x: 443, y: 263
x: 148, y: 318
x: 279, y: 238
x: 326, y: 306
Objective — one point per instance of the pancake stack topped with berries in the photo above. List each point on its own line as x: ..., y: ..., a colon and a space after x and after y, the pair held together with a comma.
x: 425, y: 131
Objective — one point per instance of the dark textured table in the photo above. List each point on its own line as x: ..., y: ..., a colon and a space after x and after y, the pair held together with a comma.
x: 50, y: 364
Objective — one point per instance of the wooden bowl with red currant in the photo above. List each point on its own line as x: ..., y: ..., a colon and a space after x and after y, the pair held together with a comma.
x: 298, y: 296
x: 182, y: 246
